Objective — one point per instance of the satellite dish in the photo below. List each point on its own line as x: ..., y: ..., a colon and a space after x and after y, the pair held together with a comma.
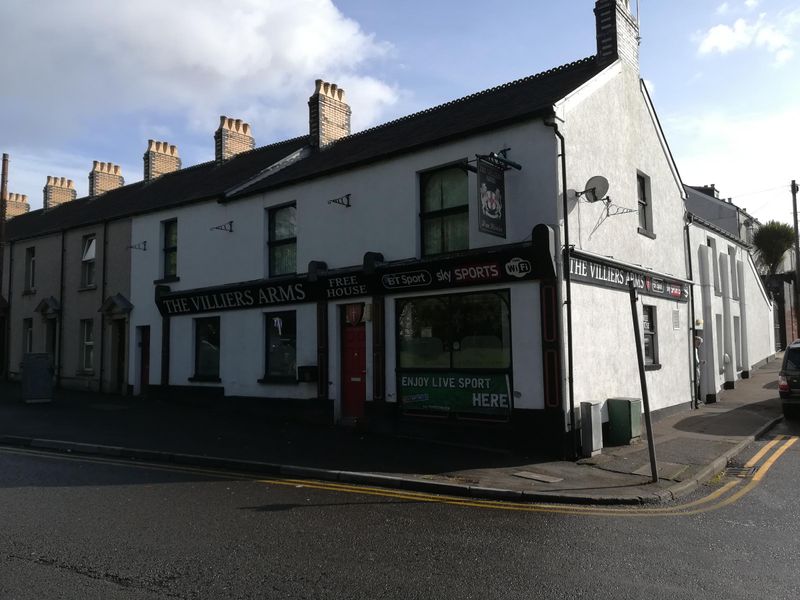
x: 596, y: 188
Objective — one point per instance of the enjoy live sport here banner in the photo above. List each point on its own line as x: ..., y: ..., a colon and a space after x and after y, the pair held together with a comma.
x: 455, y: 393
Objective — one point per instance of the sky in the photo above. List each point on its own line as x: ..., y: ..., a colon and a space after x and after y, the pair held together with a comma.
x: 92, y: 80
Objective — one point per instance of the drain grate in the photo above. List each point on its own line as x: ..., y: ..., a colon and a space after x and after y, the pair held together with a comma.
x: 742, y: 472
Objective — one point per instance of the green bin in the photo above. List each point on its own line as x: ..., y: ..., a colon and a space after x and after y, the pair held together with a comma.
x: 624, y: 420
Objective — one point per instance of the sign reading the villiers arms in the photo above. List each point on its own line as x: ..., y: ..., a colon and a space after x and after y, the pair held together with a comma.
x: 590, y: 269
x: 503, y: 265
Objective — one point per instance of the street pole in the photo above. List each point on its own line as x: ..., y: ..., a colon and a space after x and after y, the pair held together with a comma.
x: 3, y: 321
x: 651, y: 443
x: 795, y: 334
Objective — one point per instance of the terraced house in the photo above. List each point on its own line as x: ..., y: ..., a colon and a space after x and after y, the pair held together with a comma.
x: 463, y: 270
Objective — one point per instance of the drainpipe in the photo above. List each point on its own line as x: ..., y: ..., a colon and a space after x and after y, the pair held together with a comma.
x: 692, y: 325
x: 551, y: 122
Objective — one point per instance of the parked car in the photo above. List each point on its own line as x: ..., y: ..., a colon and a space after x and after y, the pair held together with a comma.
x: 789, y: 380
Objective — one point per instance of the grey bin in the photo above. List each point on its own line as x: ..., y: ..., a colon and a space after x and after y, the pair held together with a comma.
x: 624, y: 420
x: 37, y: 378
x: 591, y: 429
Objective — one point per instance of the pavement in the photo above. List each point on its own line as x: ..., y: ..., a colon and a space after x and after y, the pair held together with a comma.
x: 692, y: 446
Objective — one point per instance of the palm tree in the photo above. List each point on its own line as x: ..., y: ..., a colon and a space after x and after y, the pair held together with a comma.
x: 771, y: 242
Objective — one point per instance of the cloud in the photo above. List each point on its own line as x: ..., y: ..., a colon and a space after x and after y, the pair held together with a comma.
x: 776, y: 38
x: 191, y: 60
x: 751, y: 4
x: 723, y: 8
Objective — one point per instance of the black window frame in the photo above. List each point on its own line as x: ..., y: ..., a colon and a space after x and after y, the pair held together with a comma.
x: 290, y: 315
x: 212, y: 376
x: 426, y: 217
x: 88, y: 266
x: 644, y: 197
x: 30, y: 270
x: 168, y: 249
x: 273, y: 242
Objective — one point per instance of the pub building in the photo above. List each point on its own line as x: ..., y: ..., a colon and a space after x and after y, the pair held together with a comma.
x: 459, y: 271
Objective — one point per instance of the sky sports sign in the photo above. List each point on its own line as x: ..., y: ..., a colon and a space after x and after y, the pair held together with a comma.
x: 594, y: 271
x: 489, y: 267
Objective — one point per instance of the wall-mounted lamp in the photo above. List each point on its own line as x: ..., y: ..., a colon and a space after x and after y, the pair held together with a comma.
x: 224, y: 227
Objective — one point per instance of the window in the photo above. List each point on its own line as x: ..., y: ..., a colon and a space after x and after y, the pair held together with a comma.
x: 87, y: 345
x: 644, y: 196
x: 445, y: 210
x: 734, y: 278
x: 283, y: 240
x: 649, y: 331
x: 30, y: 269
x: 463, y: 331
x: 281, y: 347
x: 88, y: 261
x: 712, y: 244
x: 27, y: 336
x: 170, y: 248
x: 206, y: 349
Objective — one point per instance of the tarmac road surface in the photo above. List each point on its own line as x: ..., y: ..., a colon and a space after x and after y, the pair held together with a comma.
x: 83, y: 527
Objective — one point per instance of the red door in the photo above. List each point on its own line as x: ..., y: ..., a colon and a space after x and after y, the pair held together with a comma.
x: 354, y: 361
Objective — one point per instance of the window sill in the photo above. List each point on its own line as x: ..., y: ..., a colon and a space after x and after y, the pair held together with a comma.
x: 29, y: 292
x: 171, y: 279
x: 204, y: 379
x: 646, y: 233
x: 87, y: 288
x: 278, y: 380
x: 653, y: 367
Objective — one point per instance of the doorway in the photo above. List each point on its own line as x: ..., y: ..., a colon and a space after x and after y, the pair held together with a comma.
x: 143, y: 335
x: 354, y: 360
x: 118, y: 345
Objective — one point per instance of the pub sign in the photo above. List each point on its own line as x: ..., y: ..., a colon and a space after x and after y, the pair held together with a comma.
x: 491, y: 198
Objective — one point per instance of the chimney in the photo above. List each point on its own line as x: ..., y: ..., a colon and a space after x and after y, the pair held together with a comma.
x: 161, y: 158
x: 58, y: 190
x: 617, y: 33
x: 104, y: 177
x: 16, y: 205
x: 329, y: 114
x: 232, y: 137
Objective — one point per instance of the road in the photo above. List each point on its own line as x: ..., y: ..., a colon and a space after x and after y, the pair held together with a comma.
x: 87, y: 528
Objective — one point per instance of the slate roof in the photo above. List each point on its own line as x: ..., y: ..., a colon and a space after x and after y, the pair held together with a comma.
x: 199, y: 182
x: 526, y: 98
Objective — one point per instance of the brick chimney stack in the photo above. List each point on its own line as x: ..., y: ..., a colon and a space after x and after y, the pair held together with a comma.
x: 16, y: 205
x: 232, y: 137
x: 329, y: 114
x: 104, y: 177
x: 161, y: 158
x: 58, y: 190
x: 617, y: 33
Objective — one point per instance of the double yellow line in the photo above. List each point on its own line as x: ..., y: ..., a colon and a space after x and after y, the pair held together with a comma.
x: 721, y: 497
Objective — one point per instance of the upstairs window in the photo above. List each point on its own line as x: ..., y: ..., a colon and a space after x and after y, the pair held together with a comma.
x: 712, y: 245
x: 445, y: 210
x: 88, y: 253
x: 170, y: 248
x: 283, y: 241
x: 645, y: 202
x: 734, y: 273
x: 30, y: 269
